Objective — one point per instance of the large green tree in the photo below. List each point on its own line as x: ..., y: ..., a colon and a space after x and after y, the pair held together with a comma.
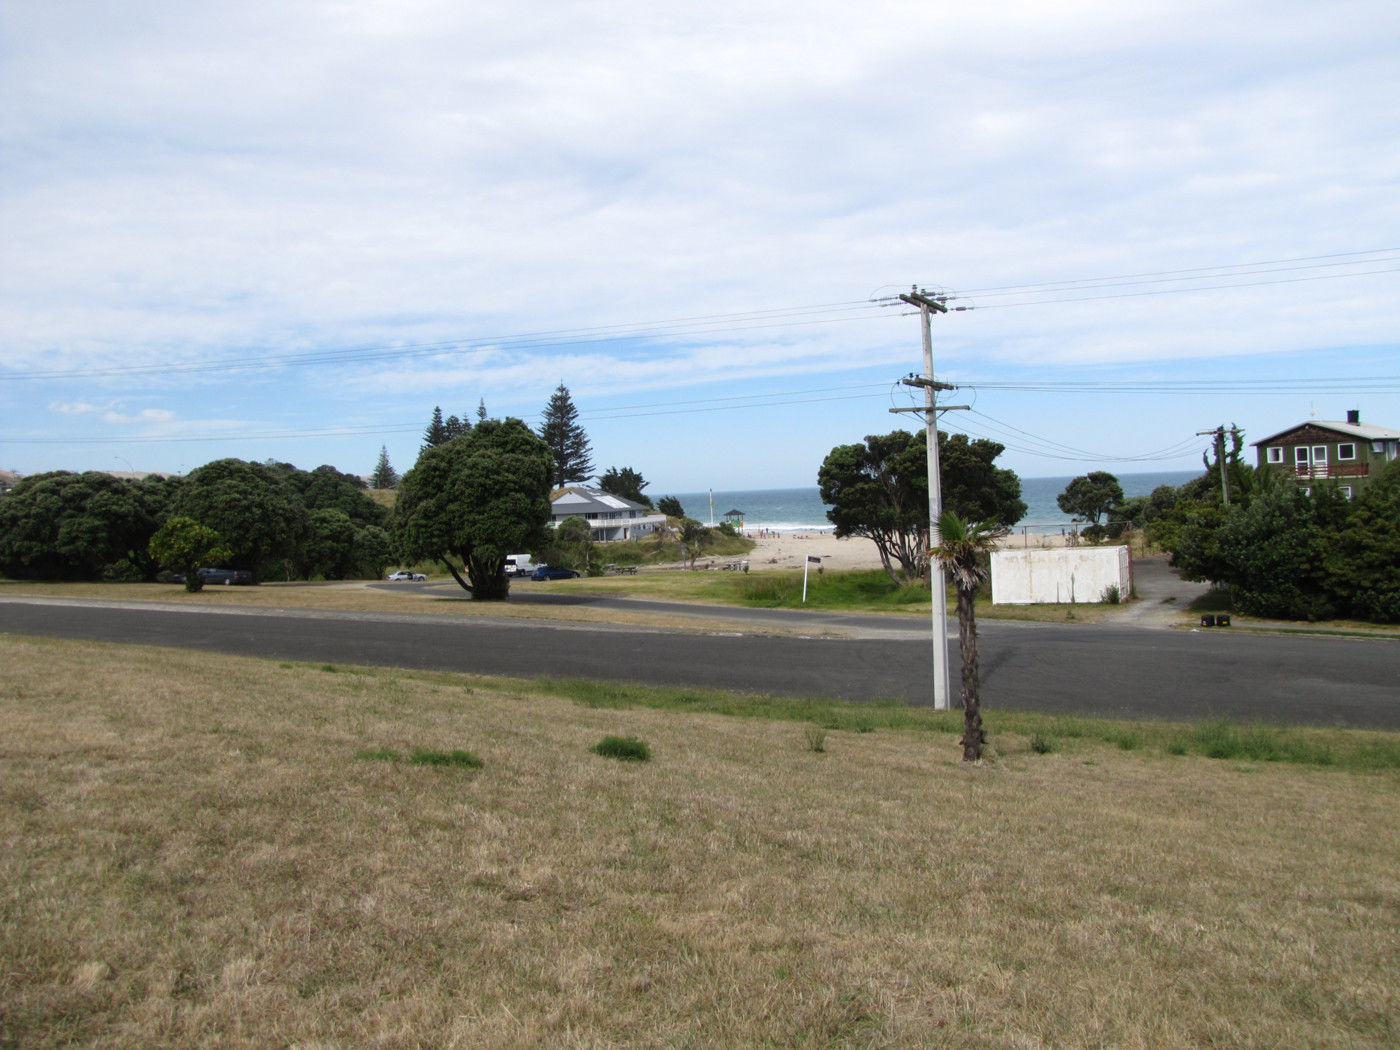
x: 329, y: 550
x: 183, y: 545
x: 879, y: 490
x: 435, y: 433
x: 253, y: 506
x: 1363, y: 558
x: 566, y: 438
x: 974, y: 487
x: 66, y: 526
x: 474, y: 501
x: 1274, y: 553
x: 326, y: 488
x: 1090, y: 496
x: 384, y: 476
x: 625, y: 482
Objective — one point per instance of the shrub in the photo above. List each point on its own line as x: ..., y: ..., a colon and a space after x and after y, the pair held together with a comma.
x: 816, y: 739
x: 623, y: 748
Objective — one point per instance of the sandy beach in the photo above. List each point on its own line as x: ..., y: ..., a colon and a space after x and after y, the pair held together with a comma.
x: 788, y: 549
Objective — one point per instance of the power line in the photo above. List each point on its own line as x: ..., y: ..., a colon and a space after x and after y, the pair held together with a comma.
x: 1048, y: 448
x: 1181, y: 291
x: 1327, y: 384
x: 1192, y: 273
x: 738, y: 323
x: 1017, y: 440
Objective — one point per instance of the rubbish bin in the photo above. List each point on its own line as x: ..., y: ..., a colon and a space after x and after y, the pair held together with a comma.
x: 1222, y: 620
x: 1208, y: 620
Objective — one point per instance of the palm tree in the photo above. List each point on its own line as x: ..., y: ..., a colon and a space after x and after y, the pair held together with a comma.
x: 962, y: 548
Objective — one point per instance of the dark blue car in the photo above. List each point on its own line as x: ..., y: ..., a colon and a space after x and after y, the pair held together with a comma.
x: 549, y: 572
x: 241, y: 577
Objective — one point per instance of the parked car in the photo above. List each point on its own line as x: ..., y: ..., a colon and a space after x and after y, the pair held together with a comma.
x: 242, y: 577
x: 404, y: 574
x: 549, y: 572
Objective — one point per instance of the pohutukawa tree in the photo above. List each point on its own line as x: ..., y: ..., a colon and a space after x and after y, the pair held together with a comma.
x: 64, y: 526
x: 963, y: 550
x: 1090, y: 496
x: 879, y: 490
x: 474, y: 501
x: 256, y: 508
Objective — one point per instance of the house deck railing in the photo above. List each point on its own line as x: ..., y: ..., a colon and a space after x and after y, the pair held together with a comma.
x: 1332, y: 470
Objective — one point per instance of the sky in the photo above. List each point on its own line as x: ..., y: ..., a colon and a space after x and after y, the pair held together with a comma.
x: 289, y: 231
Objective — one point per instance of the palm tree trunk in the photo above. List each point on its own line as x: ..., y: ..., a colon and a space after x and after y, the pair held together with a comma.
x: 974, y: 738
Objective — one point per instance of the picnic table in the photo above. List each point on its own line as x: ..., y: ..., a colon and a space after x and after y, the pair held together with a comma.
x: 620, y: 570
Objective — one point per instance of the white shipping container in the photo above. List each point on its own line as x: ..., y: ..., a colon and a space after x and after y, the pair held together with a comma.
x: 1071, y: 574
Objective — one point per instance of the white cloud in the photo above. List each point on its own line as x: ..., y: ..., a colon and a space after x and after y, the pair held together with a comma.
x: 146, y: 415
x: 185, y: 184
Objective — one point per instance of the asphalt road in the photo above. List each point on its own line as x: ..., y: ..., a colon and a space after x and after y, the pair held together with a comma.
x: 1108, y: 670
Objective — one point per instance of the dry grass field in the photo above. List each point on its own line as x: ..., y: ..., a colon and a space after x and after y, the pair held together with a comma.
x: 210, y: 851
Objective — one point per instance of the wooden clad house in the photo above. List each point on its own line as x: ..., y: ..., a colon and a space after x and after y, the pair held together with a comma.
x: 1347, y: 455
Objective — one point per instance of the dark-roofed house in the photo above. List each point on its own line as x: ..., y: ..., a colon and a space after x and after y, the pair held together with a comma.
x: 1346, y: 454
x: 609, y: 517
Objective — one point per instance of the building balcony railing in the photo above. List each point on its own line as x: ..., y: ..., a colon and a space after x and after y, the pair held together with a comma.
x: 1332, y: 470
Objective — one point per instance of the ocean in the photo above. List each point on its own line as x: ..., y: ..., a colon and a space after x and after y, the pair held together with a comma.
x: 802, y: 510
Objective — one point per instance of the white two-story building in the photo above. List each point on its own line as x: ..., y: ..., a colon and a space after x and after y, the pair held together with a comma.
x: 609, y: 517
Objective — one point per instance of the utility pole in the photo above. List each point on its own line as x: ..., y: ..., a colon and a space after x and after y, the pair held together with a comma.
x: 928, y: 305
x: 1219, y: 434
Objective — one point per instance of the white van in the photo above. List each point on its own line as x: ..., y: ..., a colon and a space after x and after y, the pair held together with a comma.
x: 519, y: 565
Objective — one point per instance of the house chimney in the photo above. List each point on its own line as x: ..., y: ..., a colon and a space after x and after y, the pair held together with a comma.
x: 1353, y: 415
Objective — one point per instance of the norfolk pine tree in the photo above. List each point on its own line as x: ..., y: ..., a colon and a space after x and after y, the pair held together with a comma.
x: 384, y: 476
x: 567, y: 440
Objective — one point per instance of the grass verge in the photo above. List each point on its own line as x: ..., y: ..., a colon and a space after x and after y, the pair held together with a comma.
x: 197, y: 853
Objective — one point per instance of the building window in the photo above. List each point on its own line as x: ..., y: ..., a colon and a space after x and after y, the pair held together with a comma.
x: 1273, y: 455
x: 1345, y: 490
x: 1319, y: 454
x: 1347, y: 451
x: 1300, y: 455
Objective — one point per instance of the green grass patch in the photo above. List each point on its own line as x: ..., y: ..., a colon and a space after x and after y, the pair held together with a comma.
x: 837, y: 714
x: 623, y: 748
x: 1355, y: 750
x: 423, y: 756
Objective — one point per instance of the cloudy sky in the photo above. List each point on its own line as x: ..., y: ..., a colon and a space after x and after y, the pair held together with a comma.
x: 291, y: 230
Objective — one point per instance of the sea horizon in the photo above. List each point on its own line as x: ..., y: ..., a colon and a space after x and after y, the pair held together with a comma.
x: 800, y: 508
